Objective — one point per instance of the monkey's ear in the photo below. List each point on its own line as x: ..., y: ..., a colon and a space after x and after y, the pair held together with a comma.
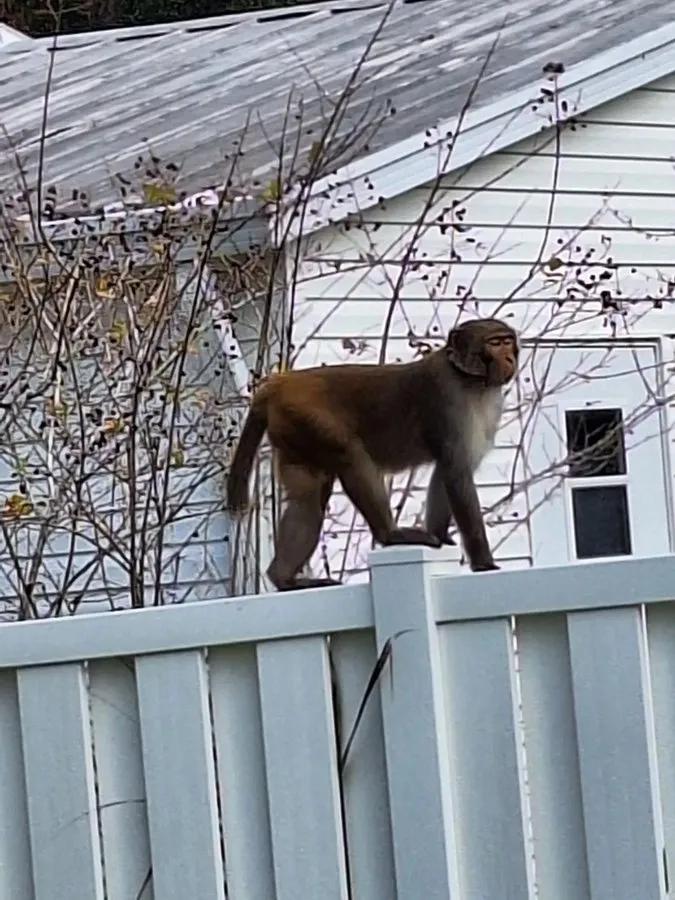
x: 464, y: 352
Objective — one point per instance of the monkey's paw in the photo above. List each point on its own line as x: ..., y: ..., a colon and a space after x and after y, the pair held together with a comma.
x: 299, y: 584
x: 412, y: 536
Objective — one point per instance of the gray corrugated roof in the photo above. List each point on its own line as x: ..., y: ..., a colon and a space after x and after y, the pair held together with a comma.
x: 188, y: 88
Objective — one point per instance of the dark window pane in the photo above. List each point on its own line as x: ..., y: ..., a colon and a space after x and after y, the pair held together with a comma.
x: 601, y: 525
x: 595, y: 442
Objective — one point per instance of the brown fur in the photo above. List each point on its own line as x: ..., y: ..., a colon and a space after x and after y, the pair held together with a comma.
x: 356, y: 422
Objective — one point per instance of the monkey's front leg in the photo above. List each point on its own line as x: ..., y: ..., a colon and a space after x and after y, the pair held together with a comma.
x: 465, y: 506
x: 438, y: 516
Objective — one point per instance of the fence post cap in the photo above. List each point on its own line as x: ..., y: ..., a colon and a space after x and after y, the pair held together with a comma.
x: 405, y: 555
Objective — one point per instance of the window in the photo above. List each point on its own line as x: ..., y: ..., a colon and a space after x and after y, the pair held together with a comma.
x: 597, y: 480
x: 601, y: 521
x: 595, y: 442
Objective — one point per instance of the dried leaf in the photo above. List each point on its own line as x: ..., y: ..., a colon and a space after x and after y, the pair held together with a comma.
x: 17, y: 506
x: 272, y: 192
x: 57, y: 410
x: 118, y: 332
x: 201, y: 397
x: 113, y: 426
x: 103, y: 288
x: 159, y: 194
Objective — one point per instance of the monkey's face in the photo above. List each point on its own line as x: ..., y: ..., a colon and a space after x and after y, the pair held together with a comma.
x: 485, y: 349
x: 500, y: 352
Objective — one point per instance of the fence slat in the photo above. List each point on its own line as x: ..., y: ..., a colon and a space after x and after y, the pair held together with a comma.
x: 485, y: 760
x: 16, y: 879
x: 617, y: 757
x: 661, y: 633
x: 58, y: 761
x: 119, y: 773
x: 411, y: 692
x: 180, y: 778
x: 552, y: 758
x: 371, y: 861
x: 300, y: 755
x: 241, y: 772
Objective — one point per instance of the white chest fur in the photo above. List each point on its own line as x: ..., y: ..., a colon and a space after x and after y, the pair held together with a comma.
x: 484, y: 415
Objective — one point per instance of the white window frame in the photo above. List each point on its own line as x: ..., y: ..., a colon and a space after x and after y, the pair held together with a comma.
x: 572, y: 482
x: 560, y: 407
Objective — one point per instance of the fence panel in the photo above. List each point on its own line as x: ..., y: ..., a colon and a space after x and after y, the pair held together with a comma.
x: 300, y: 757
x: 486, y: 768
x: 661, y: 633
x: 364, y: 779
x: 624, y: 835
x: 479, y: 769
x: 240, y: 757
x: 60, y: 782
x: 119, y: 775
x: 180, y: 775
x: 16, y: 877
x: 552, y: 758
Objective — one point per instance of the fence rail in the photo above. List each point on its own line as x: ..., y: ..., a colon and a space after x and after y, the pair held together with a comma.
x: 519, y: 742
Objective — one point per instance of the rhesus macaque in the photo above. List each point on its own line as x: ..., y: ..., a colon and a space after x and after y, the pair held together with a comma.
x: 354, y: 423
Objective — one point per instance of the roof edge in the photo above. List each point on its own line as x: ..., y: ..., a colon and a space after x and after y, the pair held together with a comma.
x: 246, y: 228
x: 414, y: 161
x: 9, y: 35
x: 208, y: 23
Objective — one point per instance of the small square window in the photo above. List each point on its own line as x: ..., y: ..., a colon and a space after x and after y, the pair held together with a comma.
x: 601, y: 524
x: 595, y: 442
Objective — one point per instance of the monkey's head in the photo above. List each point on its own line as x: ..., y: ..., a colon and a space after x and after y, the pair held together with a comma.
x: 485, y: 349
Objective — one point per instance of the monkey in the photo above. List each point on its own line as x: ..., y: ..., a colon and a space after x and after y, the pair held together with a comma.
x: 354, y: 423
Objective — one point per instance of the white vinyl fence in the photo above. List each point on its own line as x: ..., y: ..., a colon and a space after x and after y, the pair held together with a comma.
x: 519, y: 741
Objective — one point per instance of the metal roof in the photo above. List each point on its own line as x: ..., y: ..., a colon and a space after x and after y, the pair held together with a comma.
x: 186, y: 91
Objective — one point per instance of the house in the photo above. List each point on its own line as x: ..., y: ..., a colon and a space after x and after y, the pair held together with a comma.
x: 544, y: 199
x: 490, y: 160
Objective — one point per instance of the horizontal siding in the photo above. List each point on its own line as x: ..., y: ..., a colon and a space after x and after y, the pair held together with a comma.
x: 663, y: 84
x: 600, y: 200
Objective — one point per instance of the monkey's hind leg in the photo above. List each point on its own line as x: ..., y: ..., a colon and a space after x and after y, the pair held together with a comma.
x: 363, y: 484
x: 299, y: 528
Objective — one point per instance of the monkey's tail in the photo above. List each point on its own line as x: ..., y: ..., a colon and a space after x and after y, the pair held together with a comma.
x: 242, y: 463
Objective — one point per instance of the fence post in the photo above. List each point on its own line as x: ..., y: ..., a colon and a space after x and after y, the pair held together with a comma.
x: 414, y: 721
